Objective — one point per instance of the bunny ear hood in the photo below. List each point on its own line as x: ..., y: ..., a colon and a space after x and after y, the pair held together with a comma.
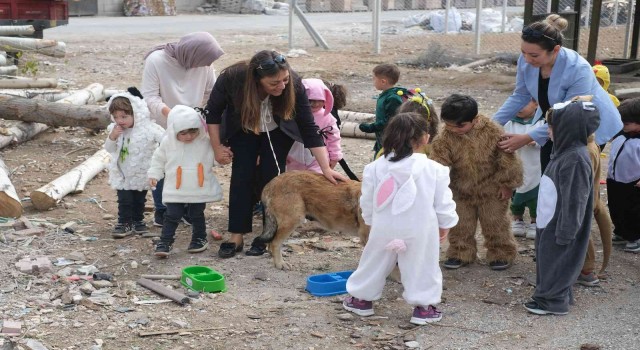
x: 316, y: 90
x: 398, y: 187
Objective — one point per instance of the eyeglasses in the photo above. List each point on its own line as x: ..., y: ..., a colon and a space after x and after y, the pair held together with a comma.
x: 270, y: 64
x: 530, y: 33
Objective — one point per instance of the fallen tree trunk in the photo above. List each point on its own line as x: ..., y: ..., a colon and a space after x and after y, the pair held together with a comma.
x: 91, y: 94
x: 8, y: 70
x: 21, y: 132
x: 350, y: 129
x: 50, y: 95
x: 356, y: 117
x: 65, y: 112
x: 10, y: 205
x: 43, y: 46
x: 28, y: 83
x: 72, y: 182
x: 17, y: 30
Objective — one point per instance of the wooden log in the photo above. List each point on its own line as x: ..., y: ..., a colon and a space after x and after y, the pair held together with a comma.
x: 28, y: 83
x: 10, y: 205
x: 161, y: 277
x: 21, y: 132
x: 8, y: 70
x: 4, y: 61
x: 49, y: 95
x: 72, y: 182
x: 89, y: 95
x: 356, y: 117
x: 43, y: 46
x: 469, y: 66
x: 350, y: 129
x: 180, y: 330
x: 17, y: 30
x: 624, y: 94
x: 110, y: 92
x: 65, y: 112
x: 164, y: 291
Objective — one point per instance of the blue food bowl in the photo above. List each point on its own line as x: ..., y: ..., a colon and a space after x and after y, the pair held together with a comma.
x: 328, y: 284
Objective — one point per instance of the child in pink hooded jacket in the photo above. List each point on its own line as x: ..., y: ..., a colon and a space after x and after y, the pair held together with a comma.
x: 321, y: 101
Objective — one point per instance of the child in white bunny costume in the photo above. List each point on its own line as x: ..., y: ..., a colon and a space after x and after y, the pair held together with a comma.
x: 321, y: 101
x: 407, y: 201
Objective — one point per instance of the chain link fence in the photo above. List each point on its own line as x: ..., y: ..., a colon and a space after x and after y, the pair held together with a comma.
x: 450, y: 23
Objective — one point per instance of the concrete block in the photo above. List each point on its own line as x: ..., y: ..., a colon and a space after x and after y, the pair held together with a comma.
x: 35, y: 265
x: 11, y: 328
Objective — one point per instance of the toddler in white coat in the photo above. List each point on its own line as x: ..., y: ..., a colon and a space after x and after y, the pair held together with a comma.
x: 408, y: 204
x: 185, y: 161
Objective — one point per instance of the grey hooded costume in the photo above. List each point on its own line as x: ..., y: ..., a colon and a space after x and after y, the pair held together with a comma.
x: 565, y: 204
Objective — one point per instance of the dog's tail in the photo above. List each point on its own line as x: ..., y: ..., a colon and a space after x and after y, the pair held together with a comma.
x: 269, y: 227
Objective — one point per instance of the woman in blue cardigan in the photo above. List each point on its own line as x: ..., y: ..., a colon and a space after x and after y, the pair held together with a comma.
x: 551, y: 74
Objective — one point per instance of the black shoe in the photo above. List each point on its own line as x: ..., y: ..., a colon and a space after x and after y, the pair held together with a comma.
x: 499, y: 265
x: 140, y: 227
x: 256, y: 250
x: 122, y: 230
x: 158, y: 218
x: 229, y: 249
x: 197, y: 245
x: 454, y: 263
x: 163, y: 249
x: 535, y: 308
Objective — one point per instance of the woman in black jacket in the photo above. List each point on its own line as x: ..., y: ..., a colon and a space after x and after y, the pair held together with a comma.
x: 257, y: 109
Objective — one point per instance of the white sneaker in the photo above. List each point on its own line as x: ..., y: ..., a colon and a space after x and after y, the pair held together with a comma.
x: 531, y: 231
x: 519, y: 228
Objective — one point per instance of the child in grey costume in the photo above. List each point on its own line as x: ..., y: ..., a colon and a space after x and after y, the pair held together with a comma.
x: 565, y: 204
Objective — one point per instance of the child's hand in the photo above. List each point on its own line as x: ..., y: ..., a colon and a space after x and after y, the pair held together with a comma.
x: 444, y: 232
x: 504, y: 193
x: 153, y: 183
x: 223, y: 154
x: 332, y: 163
x: 115, y: 132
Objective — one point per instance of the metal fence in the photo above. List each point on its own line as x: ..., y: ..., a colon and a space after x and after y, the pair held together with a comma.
x: 480, y: 27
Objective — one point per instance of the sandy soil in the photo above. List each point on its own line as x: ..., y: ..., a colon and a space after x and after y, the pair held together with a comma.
x: 265, y: 308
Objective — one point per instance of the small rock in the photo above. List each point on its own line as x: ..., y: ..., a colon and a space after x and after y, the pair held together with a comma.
x: 75, y: 256
x: 261, y: 276
x: 345, y: 317
x: 134, y: 264
x: 145, y: 262
x: 142, y: 321
x: 180, y: 323
x: 87, y: 288
x: 254, y: 316
x: 108, y: 217
x: 412, y: 344
x: 101, y: 284
x: 33, y: 344
x: 193, y: 294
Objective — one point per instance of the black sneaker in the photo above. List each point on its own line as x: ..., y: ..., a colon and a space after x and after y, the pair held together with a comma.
x: 197, y: 245
x: 454, y: 263
x: 163, y: 249
x: 535, y: 308
x: 499, y: 265
x: 140, y: 227
x: 122, y: 230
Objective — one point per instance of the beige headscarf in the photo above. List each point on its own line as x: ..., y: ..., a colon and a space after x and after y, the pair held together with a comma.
x: 199, y: 49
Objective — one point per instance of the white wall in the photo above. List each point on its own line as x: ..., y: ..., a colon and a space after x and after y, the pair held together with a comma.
x: 114, y: 7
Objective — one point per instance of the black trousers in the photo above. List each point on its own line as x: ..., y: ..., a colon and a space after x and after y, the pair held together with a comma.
x: 173, y: 217
x: 624, y: 207
x: 131, y: 206
x: 246, y: 176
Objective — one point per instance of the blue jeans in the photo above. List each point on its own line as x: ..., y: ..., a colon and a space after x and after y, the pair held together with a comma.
x: 173, y: 217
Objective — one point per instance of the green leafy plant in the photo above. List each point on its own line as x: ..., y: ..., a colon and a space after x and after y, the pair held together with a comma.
x: 30, y: 68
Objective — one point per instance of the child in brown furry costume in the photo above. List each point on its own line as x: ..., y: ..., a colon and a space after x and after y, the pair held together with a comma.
x: 482, y: 180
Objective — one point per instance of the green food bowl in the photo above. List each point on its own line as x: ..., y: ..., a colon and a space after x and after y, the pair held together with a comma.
x: 203, y: 279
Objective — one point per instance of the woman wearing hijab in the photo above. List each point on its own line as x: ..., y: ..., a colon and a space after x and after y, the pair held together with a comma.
x: 178, y: 73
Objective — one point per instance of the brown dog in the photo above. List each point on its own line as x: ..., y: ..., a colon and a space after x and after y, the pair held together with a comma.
x: 296, y: 195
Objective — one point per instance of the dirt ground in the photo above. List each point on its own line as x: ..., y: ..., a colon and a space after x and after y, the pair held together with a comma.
x: 265, y: 308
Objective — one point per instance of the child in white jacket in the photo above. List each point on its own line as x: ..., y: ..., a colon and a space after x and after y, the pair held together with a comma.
x: 407, y: 201
x: 133, y: 137
x: 185, y: 160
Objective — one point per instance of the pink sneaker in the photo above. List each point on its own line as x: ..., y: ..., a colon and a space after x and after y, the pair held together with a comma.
x: 422, y: 316
x: 358, y: 306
